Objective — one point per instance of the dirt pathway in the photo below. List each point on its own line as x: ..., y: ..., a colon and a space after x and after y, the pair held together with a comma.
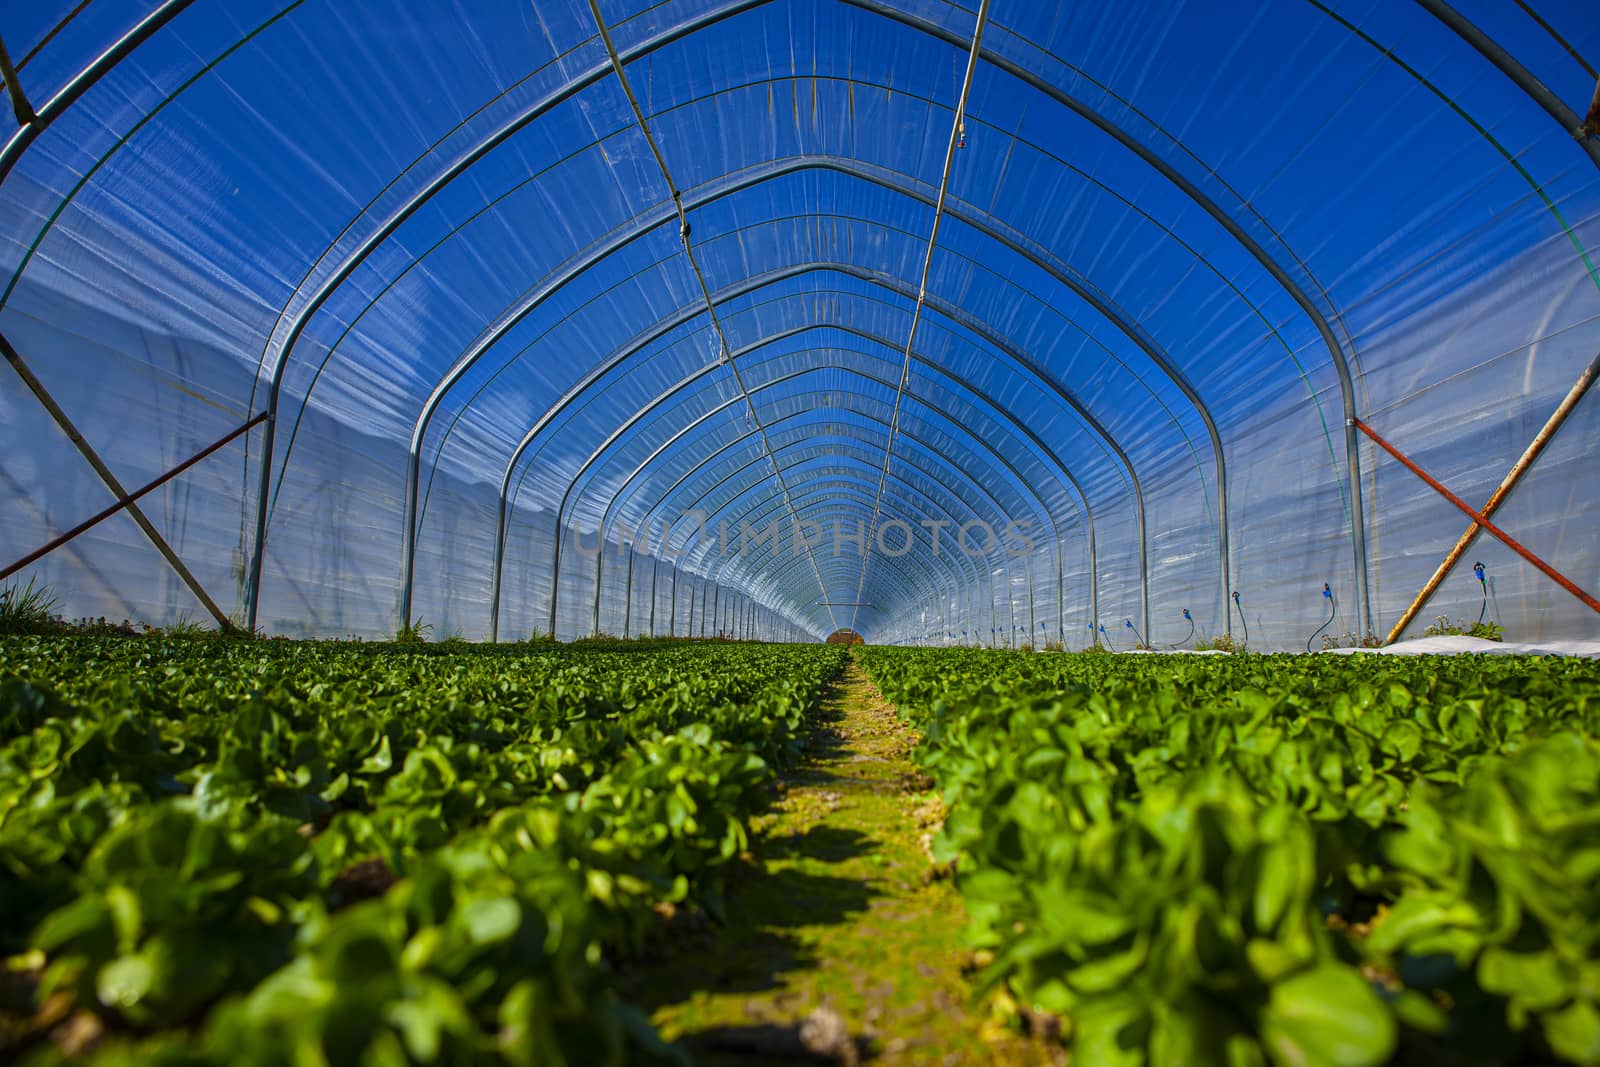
x: 837, y: 915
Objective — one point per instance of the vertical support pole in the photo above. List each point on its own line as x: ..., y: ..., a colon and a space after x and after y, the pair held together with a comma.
x: 599, y: 575
x: 555, y: 571
x: 1031, y: 628
x: 1011, y: 605
x: 716, y: 610
x: 655, y: 565
x: 1094, y: 587
x: 627, y: 603
x: 672, y: 616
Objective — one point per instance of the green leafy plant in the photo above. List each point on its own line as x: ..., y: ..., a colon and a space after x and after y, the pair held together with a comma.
x: 255, y: 852
x: 1273, y: 859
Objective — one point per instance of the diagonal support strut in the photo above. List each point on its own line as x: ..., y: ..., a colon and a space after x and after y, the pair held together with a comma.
x: 89, y: 454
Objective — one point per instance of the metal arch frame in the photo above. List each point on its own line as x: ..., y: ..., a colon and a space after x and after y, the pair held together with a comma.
x: 662, y: 208
x: 871, y: 418
x: 1063, y: 394
x: 838, y: 491
x: 1523, y: 78
x: 985, y: 400
x: 930, y: 476
x: 1211, y: 207
x: 1484, y: 44
x: 708, y: 415
x: 666, y: 326
x: 69, y: 94
x: 619, y: 358
x: 536, y: 297
x: 892, y: 284
x: 700, y: 465
x: 604, y: 446
x: 830, y: 494
x: 984, y: 583
x: 977, y: 574
x: 415, y: 203
x: 919, y: 441
x: 836, y: 488
x: 922, y: 471
x: 1064, y: 275
x: 901, y: 480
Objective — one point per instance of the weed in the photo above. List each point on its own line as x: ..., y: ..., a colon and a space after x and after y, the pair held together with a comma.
x: 415, y: 633
x: 28, y: 609
x: 1220, y: 643
x: 1443, y: 627
x: 1348, y: 639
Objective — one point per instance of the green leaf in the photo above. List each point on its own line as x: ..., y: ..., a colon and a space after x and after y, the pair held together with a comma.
x: 1327, y: 1016
x: 1534, y: 980
x: 1574, y: 1033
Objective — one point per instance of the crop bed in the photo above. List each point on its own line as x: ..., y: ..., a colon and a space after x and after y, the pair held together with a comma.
x: 272, y: 853
x: 1274, y: 859
x: 231, y: 852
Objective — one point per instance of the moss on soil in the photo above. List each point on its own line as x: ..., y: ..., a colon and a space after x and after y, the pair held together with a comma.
x: 836, y: 911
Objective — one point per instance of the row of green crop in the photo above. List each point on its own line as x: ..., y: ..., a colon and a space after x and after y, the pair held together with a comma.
x: 269, y: 853
x: 1275, y: 859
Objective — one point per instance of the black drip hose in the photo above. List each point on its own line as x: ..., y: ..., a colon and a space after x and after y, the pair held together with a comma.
x: 1327, y: 592
x: 1137, y: 636
x: 1477, y: 569
x: 1242, y: 621
x: 1190, y: 635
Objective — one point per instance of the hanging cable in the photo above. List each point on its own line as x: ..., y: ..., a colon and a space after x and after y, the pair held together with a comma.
x: 720, y: 341
x: 1477, y: 570
x: 1327, y: 594
x: 1237, y: 607
x: 957, y: 139
x: 1138, y: 638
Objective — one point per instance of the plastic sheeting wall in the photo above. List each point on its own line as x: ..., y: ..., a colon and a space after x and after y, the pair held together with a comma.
x: 376, y: 196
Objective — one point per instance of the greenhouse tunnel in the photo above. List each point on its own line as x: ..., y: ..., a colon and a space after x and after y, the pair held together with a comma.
x: 1006, y: 324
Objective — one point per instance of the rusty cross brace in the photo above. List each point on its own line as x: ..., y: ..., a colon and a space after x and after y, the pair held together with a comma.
x: 93, y: 458
x: 1479, y: 519
x: 1548, y: 431
x: 122, y: 502
x: 19, y: 99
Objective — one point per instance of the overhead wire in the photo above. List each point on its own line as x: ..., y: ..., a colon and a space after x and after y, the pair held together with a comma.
x: 722, y: 346
x: 957, y: 140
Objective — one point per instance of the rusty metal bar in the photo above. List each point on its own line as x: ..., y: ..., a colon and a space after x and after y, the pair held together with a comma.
x: 1481, y: 519
x: 148, y: 487
x: 19, y: 99
x: 1568, y: 403
x: 89, y: 454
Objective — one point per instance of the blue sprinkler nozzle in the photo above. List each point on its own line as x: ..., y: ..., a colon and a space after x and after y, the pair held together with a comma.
x: 1477, y: 570
x: 1187, y: 615
x: 1128, y: 623
x: 1327, y: 590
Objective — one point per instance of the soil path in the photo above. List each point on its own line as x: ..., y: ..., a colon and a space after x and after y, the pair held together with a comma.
x: 837, y: 914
